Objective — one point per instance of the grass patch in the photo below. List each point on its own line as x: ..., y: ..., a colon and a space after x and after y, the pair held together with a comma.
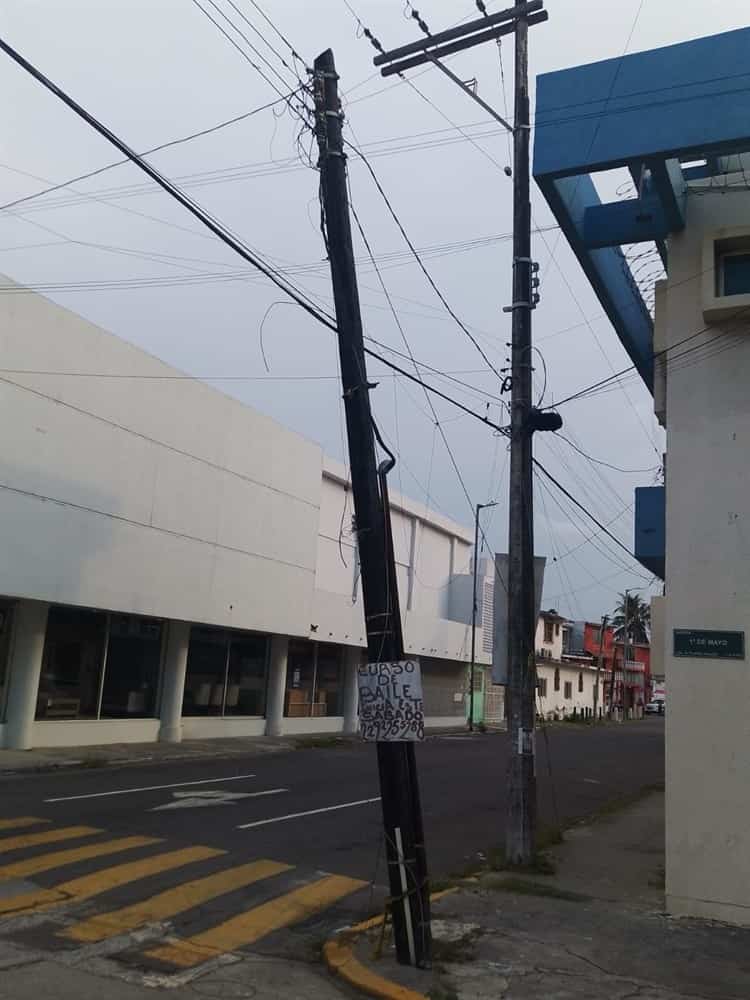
x: 526, y: 887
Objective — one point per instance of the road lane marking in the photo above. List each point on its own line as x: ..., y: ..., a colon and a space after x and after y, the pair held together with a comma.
x: 47, y: 837
x: 310, y: 812
x: 19, y: 822
x: 102, y: 881
x: 148, y: 788
x: 173, y: 901
x: 57, y: 859
x: 250, y: 926
x: 196, y: 800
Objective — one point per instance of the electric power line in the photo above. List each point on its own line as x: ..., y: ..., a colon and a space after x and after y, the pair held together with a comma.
x: 422, y: 267
x: 599, y: 461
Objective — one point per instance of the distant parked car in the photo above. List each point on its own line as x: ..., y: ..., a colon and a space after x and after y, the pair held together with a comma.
x: 655, y: 708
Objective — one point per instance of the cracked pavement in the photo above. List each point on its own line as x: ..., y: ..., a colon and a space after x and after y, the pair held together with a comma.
x: 608, y: 938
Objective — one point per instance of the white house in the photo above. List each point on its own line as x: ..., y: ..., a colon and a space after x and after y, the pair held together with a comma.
x: 565, y: 684
x: 174, y: 563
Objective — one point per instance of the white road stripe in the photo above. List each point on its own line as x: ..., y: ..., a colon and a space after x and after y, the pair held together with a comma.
x: 149, y: 788
x: 310, y: 812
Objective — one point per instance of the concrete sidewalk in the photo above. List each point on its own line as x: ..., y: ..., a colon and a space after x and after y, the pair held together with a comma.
x: 118, y: 754
x: 121, y: 754
x: 594, y: 929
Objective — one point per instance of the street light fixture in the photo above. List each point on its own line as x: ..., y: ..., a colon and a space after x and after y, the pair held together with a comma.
x: 479, y: 507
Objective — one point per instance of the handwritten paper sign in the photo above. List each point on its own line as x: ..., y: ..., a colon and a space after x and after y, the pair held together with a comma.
x: 390, y: 701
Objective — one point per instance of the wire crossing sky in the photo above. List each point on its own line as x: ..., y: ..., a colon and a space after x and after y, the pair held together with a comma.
x: 114, y: 248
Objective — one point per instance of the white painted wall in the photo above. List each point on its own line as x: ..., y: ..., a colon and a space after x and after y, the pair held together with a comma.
x: 708, y: 582
x: 426, y: 547
x: 554, y: 647
x: 163, y: 498
x: 554, y: 703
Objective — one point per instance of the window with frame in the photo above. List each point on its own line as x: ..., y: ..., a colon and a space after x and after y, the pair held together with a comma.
x: 226, y: 673
x: 733, y: 272
x: 72, y: 663
x: 557, y: 678
x: 557, y: 628
x: 131, y: 670
x: 580, y: 682
x: 99, y: 665
x: 548, y: 637
x: 568, y: 690
x: 314, y: 677
x: 541, y: 686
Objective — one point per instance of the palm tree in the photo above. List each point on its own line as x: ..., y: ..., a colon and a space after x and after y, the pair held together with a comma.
x: 635, y: 613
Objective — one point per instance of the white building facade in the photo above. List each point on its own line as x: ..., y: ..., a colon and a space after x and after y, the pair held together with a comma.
x: 565, y: 684
x: 701, y: 395
x: 176, y: 565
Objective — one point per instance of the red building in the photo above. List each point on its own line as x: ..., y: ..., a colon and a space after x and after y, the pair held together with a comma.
x: 635, y: 683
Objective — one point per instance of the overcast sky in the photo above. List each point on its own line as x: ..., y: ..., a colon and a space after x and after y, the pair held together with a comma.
x: 155, y: 70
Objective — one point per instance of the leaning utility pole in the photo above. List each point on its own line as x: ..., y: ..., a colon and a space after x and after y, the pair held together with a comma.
x: 525, y: 418
x: 399, y: 789
x: 599, y: 667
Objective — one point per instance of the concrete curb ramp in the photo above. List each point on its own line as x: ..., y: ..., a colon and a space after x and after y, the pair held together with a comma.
x: 341, y: 961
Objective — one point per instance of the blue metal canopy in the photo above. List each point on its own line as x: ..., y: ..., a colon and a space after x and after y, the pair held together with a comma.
x: 666, y: 115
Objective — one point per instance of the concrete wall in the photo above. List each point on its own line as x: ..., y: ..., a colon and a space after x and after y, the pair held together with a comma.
x: 708, y: 581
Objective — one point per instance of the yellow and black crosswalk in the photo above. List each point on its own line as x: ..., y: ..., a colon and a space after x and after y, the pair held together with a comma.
x: 195, y: 915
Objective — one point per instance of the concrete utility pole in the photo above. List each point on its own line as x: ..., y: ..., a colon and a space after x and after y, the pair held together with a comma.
x: 599, y: 667
x: 521, y: 829
x: 525, y: 419
x: 399, y: 789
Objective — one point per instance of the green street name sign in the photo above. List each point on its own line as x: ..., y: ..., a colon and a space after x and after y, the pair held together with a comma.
x: 715, y: 645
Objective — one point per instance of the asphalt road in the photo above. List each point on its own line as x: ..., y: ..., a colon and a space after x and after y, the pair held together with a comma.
x: 462, y: 782
x: 169, y: 870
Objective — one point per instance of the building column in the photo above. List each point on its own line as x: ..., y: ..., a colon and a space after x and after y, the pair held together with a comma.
x: 276, y: 685
x: 29, y: 627
x: 173, y: 685
x: 352, y: 660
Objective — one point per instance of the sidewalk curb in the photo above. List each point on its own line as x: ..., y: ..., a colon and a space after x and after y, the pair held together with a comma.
x: 341, y: 961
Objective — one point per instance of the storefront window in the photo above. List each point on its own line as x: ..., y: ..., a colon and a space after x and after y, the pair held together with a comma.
x: 71, y: 674
x: 206, y: 672
x: 313, y: 679
x: 226, y: 673
x: 329, y: 679
x: 98, y: 665
x: 246, y: 686
x: 6, y: 614
x: 131, y: 675
x: 300, y: 679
